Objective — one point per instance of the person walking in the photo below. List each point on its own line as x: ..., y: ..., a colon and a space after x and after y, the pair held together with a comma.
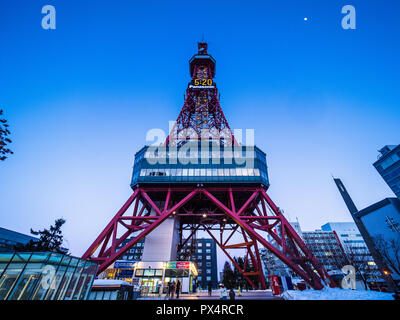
x: 209, y: 284
x: 232, y: 294
x: 178, y: 288
x: 172, y: 289
x: 167, y: 295
x: 223, y: 293
x: 194, y: 286
x: 159, y: 288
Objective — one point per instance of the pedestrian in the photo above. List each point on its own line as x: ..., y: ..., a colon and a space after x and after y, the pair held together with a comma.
x: 178, y: 288
x: 223, y: 293
x: 232, y: 294
x: 167, y: 295
x: 209, y: 288
x: 159, y: 288
x: 172, y: 289
x: 194, y: 286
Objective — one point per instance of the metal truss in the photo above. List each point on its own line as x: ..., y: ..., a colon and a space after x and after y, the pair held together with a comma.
x: 246, y: 211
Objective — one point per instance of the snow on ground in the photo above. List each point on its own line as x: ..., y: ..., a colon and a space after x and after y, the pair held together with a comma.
x: 336, y: 294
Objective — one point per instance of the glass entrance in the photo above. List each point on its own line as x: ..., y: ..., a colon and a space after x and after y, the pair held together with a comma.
x: 150, y: 285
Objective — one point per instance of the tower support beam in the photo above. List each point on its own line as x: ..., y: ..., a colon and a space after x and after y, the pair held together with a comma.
x: 288, y: 246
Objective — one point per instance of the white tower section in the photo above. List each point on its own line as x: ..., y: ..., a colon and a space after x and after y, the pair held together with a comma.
x: 162, y: 243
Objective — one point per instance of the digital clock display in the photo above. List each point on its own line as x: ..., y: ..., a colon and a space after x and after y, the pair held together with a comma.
x: 202, y: 84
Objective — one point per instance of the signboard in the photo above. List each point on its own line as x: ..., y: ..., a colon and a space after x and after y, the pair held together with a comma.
x: 178, y: 265
x: 121, y: 264
x: 202, y: 84
x: 276, y: 290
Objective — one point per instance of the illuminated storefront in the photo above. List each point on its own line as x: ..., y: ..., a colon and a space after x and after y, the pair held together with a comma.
x: 153, y: 277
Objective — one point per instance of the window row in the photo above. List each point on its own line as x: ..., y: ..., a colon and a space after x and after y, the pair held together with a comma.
x: 200, y: 244
x: 201, y: 251
x: 205, y: 172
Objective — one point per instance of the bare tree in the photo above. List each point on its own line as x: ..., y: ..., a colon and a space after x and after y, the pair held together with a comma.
x: 359, y: 257
x: 4, y: 140
x: 390, y: 252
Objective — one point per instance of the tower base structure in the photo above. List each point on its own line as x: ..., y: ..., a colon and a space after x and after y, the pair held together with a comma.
x: 221, y: 211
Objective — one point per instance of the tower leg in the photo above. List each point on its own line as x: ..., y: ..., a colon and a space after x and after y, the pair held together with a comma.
x: 257, y: 216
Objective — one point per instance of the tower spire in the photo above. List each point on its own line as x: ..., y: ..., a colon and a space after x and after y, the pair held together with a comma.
x: 201, y: 116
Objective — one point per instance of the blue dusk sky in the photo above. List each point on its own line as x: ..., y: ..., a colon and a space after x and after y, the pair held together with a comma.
x: 80, y: 99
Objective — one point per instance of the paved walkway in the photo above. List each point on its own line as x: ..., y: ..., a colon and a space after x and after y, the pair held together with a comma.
x: 257, y: 295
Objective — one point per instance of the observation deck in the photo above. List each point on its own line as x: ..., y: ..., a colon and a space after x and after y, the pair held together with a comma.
x: 192, y: 164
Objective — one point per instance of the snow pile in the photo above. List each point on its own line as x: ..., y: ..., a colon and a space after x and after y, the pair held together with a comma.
x: 336, y: 294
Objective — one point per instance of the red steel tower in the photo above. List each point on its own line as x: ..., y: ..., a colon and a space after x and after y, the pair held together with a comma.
x: 209, y: 182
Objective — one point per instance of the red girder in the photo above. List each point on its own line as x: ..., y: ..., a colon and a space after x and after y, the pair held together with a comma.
x: 288, y: 247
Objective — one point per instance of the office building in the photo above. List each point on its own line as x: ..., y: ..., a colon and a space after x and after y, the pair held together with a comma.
x: 382, y: 222
x: 388, y: 166
x: 203, y: 252
x: 378, y: 224
x: 356, y: 251
x: 326, y: 247
x: 9, y: 239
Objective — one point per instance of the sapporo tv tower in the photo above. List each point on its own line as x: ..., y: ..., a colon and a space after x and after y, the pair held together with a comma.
x: 202, y: 179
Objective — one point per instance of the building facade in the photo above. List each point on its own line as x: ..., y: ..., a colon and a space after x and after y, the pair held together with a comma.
x: 9, y: 239
x: 382, y: 222
x: 123, y: 269
x: 204, y: 253
x: 356, y: 251
x: 388, y: 166
x: 326, y: 247
x: 45, y: 276
x: 347, y: 232
x: 135, y: 253
x: 272, y: 265
x: 374, y: 222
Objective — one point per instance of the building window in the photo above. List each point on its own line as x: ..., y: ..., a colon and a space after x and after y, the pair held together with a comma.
x: 199, y: 251
x: 208, y: 278
x: 208, y: 244
x: 208, y: 257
